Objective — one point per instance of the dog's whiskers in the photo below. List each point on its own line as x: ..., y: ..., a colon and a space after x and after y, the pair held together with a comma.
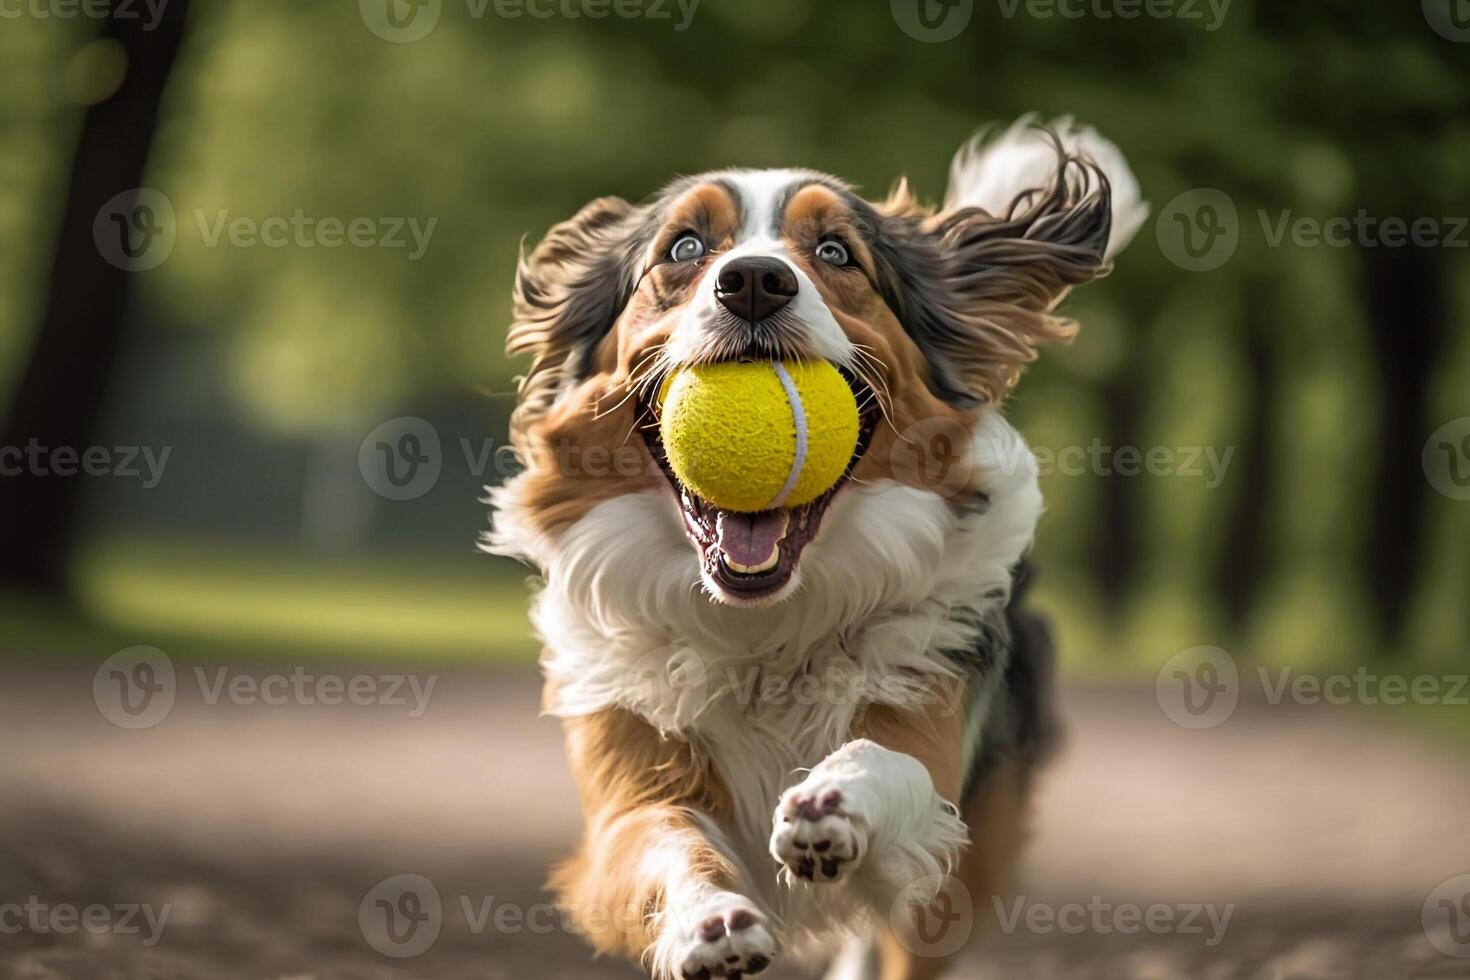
x: 633, y: 383
x: 870, y: 368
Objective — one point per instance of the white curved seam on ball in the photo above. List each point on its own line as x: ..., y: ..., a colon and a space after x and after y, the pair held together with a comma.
x: 798, y: 418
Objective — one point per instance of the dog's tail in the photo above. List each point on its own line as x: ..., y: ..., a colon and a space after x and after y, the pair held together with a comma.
x: 999, y: 166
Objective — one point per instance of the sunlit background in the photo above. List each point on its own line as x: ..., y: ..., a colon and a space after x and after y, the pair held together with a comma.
x: 1321, y: 375
x: 1323, y: 368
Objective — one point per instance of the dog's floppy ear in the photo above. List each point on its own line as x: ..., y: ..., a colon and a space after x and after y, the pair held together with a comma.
x: 1029, y: 216
x: 569, y: 291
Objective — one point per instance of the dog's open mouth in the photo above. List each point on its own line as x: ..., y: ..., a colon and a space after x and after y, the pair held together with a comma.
x: 753, y: 556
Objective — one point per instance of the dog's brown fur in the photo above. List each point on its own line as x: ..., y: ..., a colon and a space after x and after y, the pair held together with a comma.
x: 639, y: 793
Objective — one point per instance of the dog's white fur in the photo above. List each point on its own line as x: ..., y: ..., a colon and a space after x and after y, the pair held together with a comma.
x: 896, y: 836
x: 994, y: 168
x: 625, y: 626
x: 681, y: 950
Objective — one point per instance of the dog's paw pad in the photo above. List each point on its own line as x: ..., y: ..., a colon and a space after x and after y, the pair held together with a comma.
x: 819, y: 836
x: 728, y: 940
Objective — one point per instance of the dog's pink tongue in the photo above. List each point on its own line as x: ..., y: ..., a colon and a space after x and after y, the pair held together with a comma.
x: 748, y: 539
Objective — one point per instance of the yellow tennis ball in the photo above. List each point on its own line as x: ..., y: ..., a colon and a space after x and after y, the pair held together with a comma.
x: 753, y: 436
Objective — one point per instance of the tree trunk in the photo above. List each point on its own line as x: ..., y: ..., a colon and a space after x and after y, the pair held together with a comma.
x: 1243, y: 564
x: 1116, y: 563
x: 60, y: 396
x: 1404, y: 292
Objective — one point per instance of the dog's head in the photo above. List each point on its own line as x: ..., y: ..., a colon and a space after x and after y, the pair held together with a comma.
x: 931, y: 314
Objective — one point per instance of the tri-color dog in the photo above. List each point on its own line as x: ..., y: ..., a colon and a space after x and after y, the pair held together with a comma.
x: 798, y: 760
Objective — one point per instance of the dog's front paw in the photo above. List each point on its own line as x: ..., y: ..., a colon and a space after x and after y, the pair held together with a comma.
x: 724, y: 937
x: 820, y: 832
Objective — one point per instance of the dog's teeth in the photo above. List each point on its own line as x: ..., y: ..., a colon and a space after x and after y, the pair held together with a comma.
x: 765, y: 566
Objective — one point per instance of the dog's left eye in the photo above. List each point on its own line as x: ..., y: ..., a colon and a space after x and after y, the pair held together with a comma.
x: 834, y: 252
x: 687, y: 249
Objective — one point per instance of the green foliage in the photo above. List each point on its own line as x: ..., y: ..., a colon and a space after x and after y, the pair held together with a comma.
x: 496, y: 128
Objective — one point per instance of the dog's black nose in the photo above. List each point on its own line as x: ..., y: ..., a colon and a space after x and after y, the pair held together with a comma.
x: 754, y: 288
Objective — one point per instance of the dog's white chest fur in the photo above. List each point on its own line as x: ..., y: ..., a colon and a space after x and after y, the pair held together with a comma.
x: 771, y: 691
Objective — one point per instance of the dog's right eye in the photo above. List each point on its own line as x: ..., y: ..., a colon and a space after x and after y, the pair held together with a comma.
x: 687, y: 249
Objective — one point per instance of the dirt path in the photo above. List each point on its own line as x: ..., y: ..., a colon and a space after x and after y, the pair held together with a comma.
x: 263, y: 830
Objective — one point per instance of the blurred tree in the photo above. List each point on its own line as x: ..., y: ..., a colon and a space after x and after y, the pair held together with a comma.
x: 1404, y: 296
x: 1376, y: 104
x: 61, y: 390
x: 1320, y: 368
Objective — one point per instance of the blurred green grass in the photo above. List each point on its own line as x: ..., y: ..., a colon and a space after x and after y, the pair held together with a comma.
x: 231, y: 599
x: 228, y: 599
